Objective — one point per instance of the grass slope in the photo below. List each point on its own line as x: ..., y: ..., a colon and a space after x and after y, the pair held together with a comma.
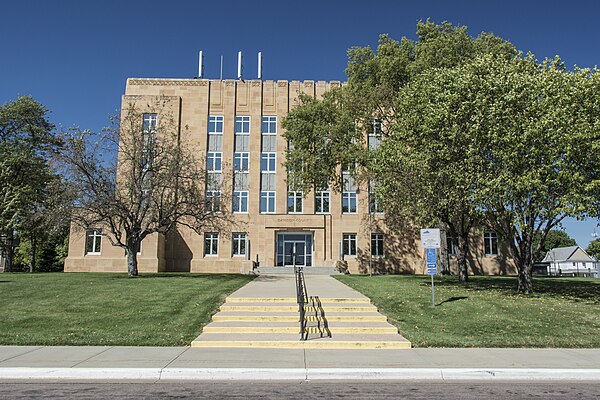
x: 109, y: 309
x: 487, y: 311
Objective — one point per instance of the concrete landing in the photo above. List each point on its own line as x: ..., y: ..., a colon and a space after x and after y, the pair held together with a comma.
x: 264, y: 314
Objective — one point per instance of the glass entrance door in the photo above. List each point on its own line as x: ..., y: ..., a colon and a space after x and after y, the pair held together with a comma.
x: 294, y: 253
x: 294, y: 249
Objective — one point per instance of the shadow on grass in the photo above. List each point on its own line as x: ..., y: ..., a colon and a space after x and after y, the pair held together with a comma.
x: 573, y: 289
x: 180, y: 275
x: 451, y: 299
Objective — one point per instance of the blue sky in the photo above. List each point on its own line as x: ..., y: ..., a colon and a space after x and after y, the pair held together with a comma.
x: 75, y: 56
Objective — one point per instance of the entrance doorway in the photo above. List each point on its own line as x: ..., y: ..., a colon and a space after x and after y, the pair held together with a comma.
x: 294, y: 249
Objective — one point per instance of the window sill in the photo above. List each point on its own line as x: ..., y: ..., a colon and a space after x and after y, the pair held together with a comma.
x: 93, y: 254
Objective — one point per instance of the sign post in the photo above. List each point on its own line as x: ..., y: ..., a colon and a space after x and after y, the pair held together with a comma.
x: 430, y: 241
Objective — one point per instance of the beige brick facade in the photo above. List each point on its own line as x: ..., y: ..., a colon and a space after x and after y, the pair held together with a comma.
x: 193, y: 101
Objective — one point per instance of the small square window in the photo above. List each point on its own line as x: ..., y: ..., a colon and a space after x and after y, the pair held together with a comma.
x: 214, y: 161
x: 241, y: 162
x: 268, y: 162
x: 150, y: 120
x: 240, y: 201
x: 269, y: 125
x: 215, y: 124
x: 267, y: 202
x: 242, y: 125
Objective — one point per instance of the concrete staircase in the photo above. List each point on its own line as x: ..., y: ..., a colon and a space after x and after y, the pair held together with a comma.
x: 290, y: 271
x: 273, y: 322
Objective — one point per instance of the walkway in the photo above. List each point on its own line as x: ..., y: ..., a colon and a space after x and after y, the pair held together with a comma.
x: 185, y: 363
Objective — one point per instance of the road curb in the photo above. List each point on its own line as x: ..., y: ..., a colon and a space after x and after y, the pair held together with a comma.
x: 299, y: 374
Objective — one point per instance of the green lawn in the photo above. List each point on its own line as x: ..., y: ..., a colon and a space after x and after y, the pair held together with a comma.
x: 487, y: 312
x: 109, y: 309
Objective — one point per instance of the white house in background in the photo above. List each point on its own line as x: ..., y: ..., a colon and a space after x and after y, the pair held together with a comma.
x: 572, y: 260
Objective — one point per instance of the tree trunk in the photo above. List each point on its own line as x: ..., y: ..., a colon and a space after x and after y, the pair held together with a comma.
x: 10, y: 254
x: 132, y: 267
x: 525, y: 265
x: 33, y: 250
x: 461, y: 259
x: 525, y: 283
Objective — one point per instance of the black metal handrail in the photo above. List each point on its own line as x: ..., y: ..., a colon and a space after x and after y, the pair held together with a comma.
x: 302, y: 298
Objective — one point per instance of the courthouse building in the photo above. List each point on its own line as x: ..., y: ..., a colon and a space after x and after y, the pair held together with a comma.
x: 236, y: 126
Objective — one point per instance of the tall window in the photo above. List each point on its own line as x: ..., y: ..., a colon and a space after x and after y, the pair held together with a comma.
x: 241, y: 164
x: 268, y: 164
x: 322, y: 202
x: 451, y: 245
x: 349, y: 190
x: 242, y: 124
x: 349, y: 202
x: 240, y: 201
x: 377, y: 244
x: 149, y: 122
x: 93, y: 241
x: 269, y: 125
x: 294, y: 202
x: 490, y: 241
x: 349, y: 244
x: 239, y: 244
x: 214, y: 161
x: 211, y: 244
x: 267, y: 202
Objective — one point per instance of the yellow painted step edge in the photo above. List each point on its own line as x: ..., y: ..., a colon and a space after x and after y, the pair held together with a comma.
x: 295, y: 329
x: 275, y: 318
x: 293, y: 300
x: 305, y: 344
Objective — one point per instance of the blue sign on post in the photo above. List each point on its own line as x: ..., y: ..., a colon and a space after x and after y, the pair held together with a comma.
x: 431, y: 268
x: 430, y: 256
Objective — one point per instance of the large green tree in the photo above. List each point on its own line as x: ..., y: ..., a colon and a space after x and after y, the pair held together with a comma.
x: 27, y: 181
x: 326, y: 134
x: 537, y: 151
x: 512, y: 136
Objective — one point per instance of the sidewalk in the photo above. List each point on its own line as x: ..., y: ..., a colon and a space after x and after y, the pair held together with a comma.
x: 186, y: 363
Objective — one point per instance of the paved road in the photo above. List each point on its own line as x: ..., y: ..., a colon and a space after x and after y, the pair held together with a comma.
x: 304, y: 390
